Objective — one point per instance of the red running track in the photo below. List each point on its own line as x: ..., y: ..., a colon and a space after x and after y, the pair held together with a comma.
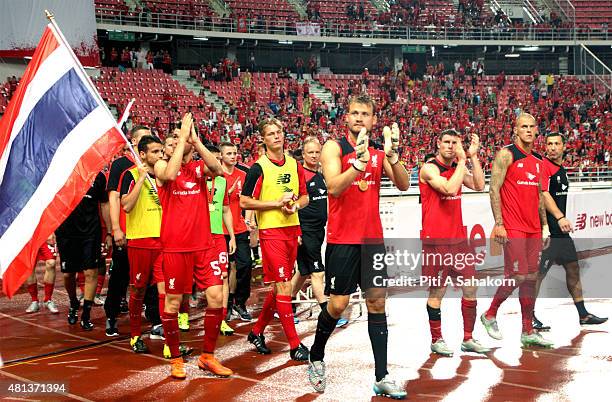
x: 43, y: 348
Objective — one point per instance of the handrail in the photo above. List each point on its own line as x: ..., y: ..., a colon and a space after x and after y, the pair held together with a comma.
x: 586, y: 49
x: 571, y: 17
x: 590, y: 70
x: 365, y: 32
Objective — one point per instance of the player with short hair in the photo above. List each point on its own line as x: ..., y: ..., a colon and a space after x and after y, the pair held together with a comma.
x: 143, y: 213
x: 187, y: 246
x: 251, y: 219
x: 119, y: 275
x: 276, y: 190
x: 520, y: 225
x: 555, y: 186
x: 220, y: 217
x: 440, y: 183
x: 312, y: 222
x: 78, y: 243
x: 241, y: 265
x: 169, y: 144
x: 353, y: 170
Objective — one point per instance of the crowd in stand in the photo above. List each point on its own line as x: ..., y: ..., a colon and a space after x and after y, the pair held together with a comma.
x: 357, y: 19
x: 6, y: 91
x: 437, y: 100
x: 137, y: 58
x: 421, y: 105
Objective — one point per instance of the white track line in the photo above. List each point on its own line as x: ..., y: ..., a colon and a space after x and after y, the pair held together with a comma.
x: 125, y: 349
x: 74, y: 361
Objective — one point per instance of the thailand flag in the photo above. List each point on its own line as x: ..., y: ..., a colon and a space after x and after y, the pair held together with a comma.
x: 55, y: 137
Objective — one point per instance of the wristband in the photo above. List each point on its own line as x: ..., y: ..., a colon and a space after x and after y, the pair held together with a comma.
x: 359, y: 165
x: 393, y: 159
x: 560, y: 218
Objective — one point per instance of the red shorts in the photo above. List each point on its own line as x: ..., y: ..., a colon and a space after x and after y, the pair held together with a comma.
x: 456, y: 260
x: 46, y: 253
x: 221, y: 247
x: 180, y: 269
x: 522, y: 253
x: 278, y: 259
x: 145, y: 266
x: 206, y: 271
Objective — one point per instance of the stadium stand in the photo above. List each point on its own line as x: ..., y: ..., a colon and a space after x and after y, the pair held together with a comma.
x: 159, y: 98
x: 425, y: 105
x: 266, y: 10
x: 342, y: 11
x: 596, y: 14
x: 111, y: 7
x: 192, y: 8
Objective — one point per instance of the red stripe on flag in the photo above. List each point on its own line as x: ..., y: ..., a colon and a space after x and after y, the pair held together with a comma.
x: 48, y: 43
x: 64, y: 202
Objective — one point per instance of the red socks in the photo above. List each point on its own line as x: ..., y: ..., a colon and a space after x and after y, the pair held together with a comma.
x: 285, y: 313
x: 212, y: 322
x: 500, y: 296
x: 81, y: 281
x: 468, y: 310
x: 161, y: 297
x: 171, y: 332
x: 527, y: 300
x: 135, y: 307
x: 100, y: 285
x: 267, y: 312
x: 49, y: 291
x: 33, y: 291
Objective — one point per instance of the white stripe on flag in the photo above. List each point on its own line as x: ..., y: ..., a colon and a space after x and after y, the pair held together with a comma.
x: 50, y: 71
x: 78, y: 141
x: 81, y: 72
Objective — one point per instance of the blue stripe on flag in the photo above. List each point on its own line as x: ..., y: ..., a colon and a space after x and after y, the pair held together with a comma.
x: 55, y: 115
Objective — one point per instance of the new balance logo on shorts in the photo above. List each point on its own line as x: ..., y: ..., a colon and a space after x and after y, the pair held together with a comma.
x: 333, y: 282
x: 138, y: 275
x: 171, y: 283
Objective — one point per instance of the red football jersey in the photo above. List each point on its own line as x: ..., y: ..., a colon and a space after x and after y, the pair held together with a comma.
x: 354, y: 215
x: 238, y: 177
x: 441, y: 216
x: 185, y: 219
x: 520, y: 194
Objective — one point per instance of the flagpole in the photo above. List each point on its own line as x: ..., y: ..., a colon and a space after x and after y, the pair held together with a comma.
x: 63, y: 40
x: 122, y: 121
x: 93, y: 88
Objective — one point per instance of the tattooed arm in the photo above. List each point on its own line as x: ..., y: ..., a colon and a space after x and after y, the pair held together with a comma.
x: 543, y: 220
x: 503, y: 159
x: 542, y: 208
